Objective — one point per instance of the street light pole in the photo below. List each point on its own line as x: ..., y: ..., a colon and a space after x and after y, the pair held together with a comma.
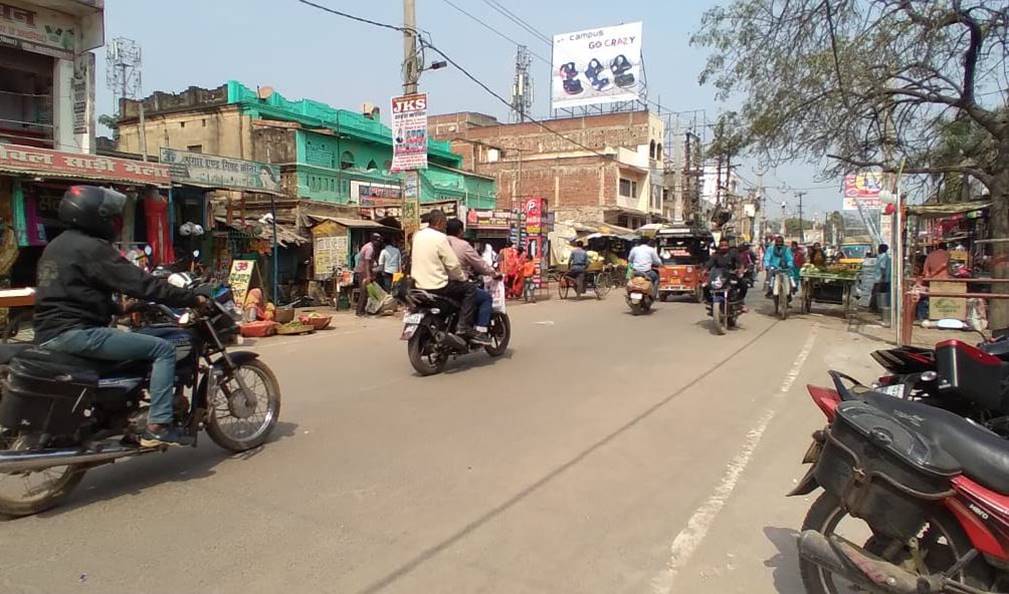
x: 802, y: 236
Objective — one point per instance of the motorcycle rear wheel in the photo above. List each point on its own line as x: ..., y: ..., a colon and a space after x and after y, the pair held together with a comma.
x: 500, y: 331
x: 424, y: 355
x: 226, y: 424
x: 943, y: 540
x: 34, y: 497
x: 782, y: 305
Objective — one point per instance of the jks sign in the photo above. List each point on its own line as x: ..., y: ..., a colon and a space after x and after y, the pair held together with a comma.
x: 409, y: 132
x: 38, y: 29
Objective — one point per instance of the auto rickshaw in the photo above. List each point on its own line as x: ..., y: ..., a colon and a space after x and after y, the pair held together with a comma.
x: 684, y: 252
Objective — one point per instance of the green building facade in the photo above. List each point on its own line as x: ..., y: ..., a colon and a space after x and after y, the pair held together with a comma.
x: 339, y: 152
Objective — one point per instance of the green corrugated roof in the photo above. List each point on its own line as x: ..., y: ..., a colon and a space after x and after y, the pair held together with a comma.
x: 315, y: 114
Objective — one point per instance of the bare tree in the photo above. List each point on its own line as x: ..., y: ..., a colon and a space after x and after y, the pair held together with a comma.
x: 873, y: 83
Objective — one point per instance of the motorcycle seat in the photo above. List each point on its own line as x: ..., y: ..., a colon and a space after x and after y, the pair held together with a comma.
x: 433, y: 300
x: 998, y: 349
x: 983, y: 455
x: 51, y: 361
x: 9, y: 351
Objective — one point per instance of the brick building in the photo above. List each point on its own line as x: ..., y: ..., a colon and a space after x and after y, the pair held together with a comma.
x: 614, y: 174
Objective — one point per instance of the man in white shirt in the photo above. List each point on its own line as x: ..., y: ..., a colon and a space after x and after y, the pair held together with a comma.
x: 389, y: 262
x: 643, y: 259
x: 436, y: 269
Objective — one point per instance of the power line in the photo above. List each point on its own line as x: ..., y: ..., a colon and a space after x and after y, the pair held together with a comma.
x: 518, y: 21
x: 499, y: 33
x: 465, y: 72
x: 504, y: 101
x: 355, y: 18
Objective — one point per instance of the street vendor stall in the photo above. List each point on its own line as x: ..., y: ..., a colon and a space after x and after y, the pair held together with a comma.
x: 835, y: 285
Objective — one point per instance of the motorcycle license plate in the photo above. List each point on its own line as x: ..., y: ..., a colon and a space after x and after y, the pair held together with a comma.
x: 410, y: 325
x: 636, y: 297
x: 896, y: 390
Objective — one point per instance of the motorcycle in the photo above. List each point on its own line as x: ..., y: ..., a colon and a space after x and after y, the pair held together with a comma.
x: 61, y: 415
x: 721, y: 294
x: 915, y: 499
x: 640, y: 294
x: 964, y: 379
x: 781, y: 291
x: 429, y: 328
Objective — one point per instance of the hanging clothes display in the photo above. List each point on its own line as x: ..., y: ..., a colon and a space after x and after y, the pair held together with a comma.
x: 159, y: 232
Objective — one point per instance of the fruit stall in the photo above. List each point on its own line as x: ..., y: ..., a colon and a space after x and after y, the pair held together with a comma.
x: 834, y: 284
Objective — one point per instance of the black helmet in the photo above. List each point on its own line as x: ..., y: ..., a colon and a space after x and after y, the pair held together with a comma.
x: 92, y: 209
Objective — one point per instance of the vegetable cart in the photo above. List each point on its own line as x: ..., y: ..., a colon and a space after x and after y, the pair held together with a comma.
x: 821, y: 286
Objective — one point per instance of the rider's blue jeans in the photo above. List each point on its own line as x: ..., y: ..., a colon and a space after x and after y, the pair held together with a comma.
x: 109, y: 344
x: 484, y: 308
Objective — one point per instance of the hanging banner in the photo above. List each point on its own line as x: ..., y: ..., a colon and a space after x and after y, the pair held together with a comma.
x: 221, y: 172
x: 597, y: 66
x: 409, y: 132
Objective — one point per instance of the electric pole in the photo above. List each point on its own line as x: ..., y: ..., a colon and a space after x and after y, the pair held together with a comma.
x: 802, y: 236
x: 411, y: 71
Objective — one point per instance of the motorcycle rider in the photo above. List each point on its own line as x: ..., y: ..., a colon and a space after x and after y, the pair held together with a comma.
x: 643, y: 259
x: 778, y: 256
x: 473, y: 264
x: 78, y: 273
x: 730, y: 261
x: 436, y: 269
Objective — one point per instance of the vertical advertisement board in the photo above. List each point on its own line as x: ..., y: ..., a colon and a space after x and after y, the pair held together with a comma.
x: 409, y: 132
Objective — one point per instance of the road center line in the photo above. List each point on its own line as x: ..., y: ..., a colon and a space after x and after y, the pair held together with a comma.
x: 690, y: 538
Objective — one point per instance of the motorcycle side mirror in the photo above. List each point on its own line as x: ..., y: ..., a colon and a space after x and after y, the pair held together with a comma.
x: 196, y: 253
x: 184, y: 319
x: 148, y: 250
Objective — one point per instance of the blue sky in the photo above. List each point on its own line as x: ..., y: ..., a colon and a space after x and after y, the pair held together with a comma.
x: 304, y: 52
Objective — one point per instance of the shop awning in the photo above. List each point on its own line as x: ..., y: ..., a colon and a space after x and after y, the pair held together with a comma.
x: 40, y: 162
x: 353, y: 223
x: 286, y: 235
x: 945, y: 210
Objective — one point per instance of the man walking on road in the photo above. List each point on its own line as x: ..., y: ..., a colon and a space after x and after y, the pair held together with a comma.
x: 365, y: 270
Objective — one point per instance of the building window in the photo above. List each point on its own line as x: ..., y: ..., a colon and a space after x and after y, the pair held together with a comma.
x: 493, y: 155
x: 195, y: 148
x: 658, y: 151
x: 387, y: 165
x: 628, y: 188
x: 372, y: 165
x: 182, y: 124
x: 346, y: 160
x: 651, y: 149
x: 204, y: 122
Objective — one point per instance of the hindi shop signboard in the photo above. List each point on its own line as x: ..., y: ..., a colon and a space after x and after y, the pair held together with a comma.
x: 39, y: 161
x: 863, y: 189
x: 221, y: 172
x: 409, y: 132
x: 38, y: 29
x: 597, y: 66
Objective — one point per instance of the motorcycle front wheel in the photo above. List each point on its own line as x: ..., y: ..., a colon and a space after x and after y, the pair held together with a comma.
x: 27, y: 493
x: 941, y: 542
x: 716, y: 315
x: 239, y: 421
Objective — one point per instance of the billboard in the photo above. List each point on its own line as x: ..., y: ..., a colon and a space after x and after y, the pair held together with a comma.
x: 409, y: 132
x: 863, y: 188
x: 596, y: 66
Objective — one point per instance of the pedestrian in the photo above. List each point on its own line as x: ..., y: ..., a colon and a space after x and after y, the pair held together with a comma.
x: 883, y: 281
x: 389, y: 264
x: 364, y: 271
x: 517, y: 282
x: 506, y: 263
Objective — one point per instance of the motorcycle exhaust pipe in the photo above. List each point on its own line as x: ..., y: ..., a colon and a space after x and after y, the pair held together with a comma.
x: 844, y: 559
x: 41, y: 459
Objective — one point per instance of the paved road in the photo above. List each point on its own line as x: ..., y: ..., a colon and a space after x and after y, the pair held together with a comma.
x: 605, y: 453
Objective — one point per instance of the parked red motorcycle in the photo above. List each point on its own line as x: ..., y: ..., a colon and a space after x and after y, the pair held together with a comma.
x: 915, y: 501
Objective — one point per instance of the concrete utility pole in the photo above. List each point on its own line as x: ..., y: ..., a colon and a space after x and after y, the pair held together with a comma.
x: 411, y: 70
x: 802, y: 235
